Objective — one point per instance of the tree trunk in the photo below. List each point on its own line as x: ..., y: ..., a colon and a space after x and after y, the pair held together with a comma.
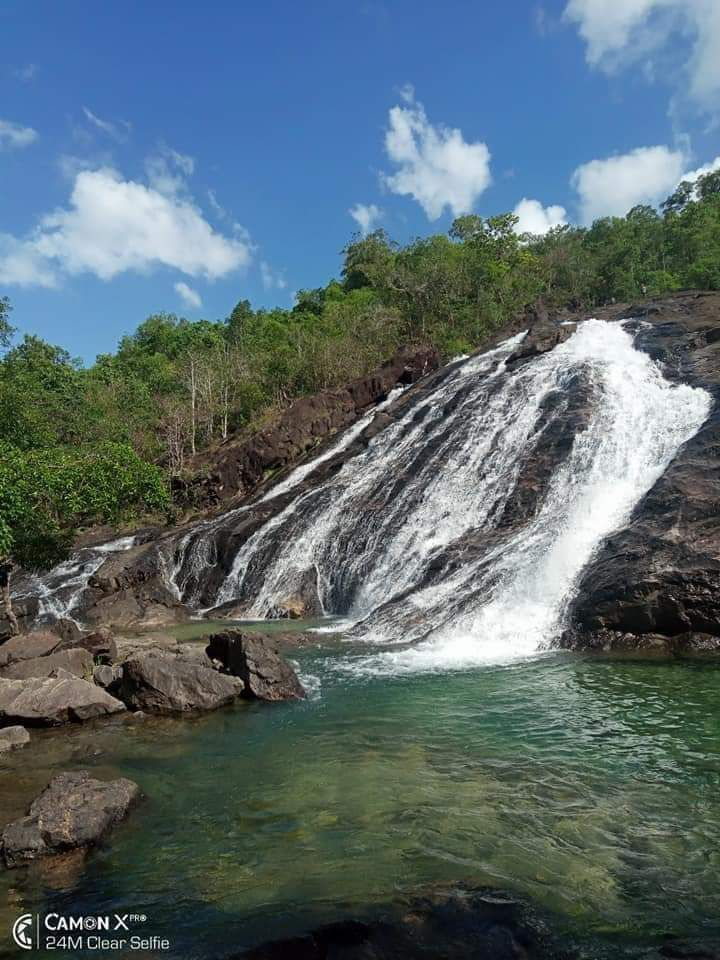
x: 7, y: 599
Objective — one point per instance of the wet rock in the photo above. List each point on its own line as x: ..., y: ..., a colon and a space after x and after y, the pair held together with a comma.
x: 12, y: 738
x: 28, y: 646
x: 54, y: 701
x: 74, y: 811
x: 304, y: 603
x: 77, y: 662
x: 158, y: 682
x: 256, y: 660
x: 544, y: 334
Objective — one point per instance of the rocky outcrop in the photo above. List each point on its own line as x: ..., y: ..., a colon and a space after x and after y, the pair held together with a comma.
x: 242, y: 464
x: 257, y: 661
x: 74, y: 811
x: 159, y: 682
x: 100, y: 644
x: 53, y: 701
x: 75, y: 661
x: 660, y: 575
x: 28, y: 646
x: 615, y: 641
x: 13, y: 738
x: 543, y: 334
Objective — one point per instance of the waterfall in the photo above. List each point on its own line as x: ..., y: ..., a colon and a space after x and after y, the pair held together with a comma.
x: 59, y: 592
x: 416, y: 538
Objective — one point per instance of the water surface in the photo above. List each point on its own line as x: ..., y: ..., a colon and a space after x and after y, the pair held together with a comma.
x: 588, y: 785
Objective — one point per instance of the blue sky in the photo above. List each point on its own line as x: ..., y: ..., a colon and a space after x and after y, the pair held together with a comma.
x: 181, y: 156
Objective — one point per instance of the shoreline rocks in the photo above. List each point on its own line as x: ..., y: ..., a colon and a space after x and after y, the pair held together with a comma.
x: 53, y: 701
x: 13, y: 738
x: 163, y: 683
x: 73, y: 811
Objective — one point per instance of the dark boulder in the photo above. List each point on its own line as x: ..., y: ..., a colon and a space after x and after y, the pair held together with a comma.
x: 257, y: 661
x: 543, y: 336
x: 100, y: 644
x: 159, y: 682
x: 73, y: 811
x: 454, y: 925
x: 53, y: 701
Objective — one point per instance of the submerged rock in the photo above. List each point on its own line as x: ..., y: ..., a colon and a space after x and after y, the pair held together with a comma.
x: 159, y: 682
x: 256, y: 660
x: 53, y: 701
x: 12, y: 738
x: 454, y: 925
x: 73, y: 811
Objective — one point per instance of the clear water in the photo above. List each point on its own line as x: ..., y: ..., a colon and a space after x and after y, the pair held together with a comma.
x: 589, y: 785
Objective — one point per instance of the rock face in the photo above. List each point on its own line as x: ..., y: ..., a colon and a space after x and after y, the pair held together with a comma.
x: 158, y: 682
x: 12, y: 738
x: 257, y: 661
x: 28, y: 646
x: 243, y: 463
x: 660, y: 575
x: 73, y: 811
x: 53, y: 701
x: 78, y: 662
x: 543, y: 335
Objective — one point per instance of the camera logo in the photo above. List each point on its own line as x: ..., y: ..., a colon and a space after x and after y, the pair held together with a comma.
x: 22, y: 931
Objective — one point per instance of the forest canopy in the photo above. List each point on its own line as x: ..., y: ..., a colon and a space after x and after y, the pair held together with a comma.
x: 100, y: 444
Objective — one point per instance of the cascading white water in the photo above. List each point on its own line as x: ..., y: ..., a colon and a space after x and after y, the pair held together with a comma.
x: 59, y: 592
x: 388, y: 535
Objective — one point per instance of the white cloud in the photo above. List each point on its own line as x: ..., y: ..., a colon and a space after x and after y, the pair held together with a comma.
x: 112, y: 225
x: 191, y: 298
x: 613, y: 186
x: 366, y: 216
x: 26, y: 73
x: 534, y: 218
x: 436, y: 166
x: 271, y: 279
x: 693, y: 175
x: 624, y: 32
x: 118, y: 131
x: 14, y: 136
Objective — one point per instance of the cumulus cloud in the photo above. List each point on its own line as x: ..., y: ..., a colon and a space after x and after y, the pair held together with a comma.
x: 692, y: 175
x: 13, y: 136
x: 191, y: 298
x: 534, y: 218
x: 435, y: 164
x: 627, y: 31
x: 271, y: 279
x: 112, y: 225
x: 612, y: 186
x: 366, y: 216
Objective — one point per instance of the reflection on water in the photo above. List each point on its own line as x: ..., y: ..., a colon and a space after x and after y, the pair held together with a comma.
x: 589, y: 785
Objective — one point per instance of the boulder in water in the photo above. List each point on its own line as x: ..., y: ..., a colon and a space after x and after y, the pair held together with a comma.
x: 73, y: 811
x: 256, y: 660
x: 53, y: 701
x: 12, y: 738
x: 159, y: 682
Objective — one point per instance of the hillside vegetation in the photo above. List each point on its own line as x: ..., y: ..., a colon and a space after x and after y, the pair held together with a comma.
x: 84, y: 445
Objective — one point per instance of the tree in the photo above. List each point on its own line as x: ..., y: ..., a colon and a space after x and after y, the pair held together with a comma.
x: 6, y: 330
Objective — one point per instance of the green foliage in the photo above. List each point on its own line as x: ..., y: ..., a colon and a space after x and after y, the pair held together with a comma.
x: 93, y: 445
x: 45, y: 495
